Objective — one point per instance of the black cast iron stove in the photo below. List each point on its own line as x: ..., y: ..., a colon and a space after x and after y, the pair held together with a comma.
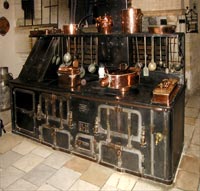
x: 129, y: 130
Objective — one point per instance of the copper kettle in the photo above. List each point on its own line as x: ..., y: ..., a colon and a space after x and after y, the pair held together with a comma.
x: 104, y: 24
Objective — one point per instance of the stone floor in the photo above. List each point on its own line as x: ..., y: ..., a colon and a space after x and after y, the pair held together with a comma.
x: 26, y: 165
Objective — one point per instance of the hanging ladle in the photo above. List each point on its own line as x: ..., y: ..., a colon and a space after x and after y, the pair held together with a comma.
x: 145, y: 69
x: 82, y: 69
x: 58, y: 53
x: 91, y: 67
x: 152, y: 64
x: 62, y: 52
x: 75, y: 61
x: 160, y: 62
x: 67, y: 56
x: 139, y: 64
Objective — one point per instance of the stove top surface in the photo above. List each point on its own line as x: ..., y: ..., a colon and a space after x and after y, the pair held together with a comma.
x: 140, y: 94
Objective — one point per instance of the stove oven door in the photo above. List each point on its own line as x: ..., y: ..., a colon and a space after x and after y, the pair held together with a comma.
x: 52, y: 114
x: 55, y: 137
x: 24, y: 103
x: 123, y: 129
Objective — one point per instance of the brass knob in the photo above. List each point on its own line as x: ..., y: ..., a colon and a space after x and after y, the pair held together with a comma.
x: 158, y: 138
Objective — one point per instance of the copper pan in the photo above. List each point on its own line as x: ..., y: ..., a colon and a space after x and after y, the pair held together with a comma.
x: 122, y: 80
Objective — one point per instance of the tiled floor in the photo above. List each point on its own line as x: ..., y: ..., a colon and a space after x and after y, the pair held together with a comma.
x: 26, y: 165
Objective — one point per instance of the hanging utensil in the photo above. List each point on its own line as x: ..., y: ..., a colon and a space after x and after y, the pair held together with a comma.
x: 170, y: 65
x: 54, y: 57
x: 173, y: 44
x: 75, y: 61
x: 152, y: 64
x: 62, y: 56
x: 160, y: 62
x: 67, y: 56
x: 178, y: 66
x: 82, y: 69
x: 166, y: 52
x: 96, y: 55
x: 91, y: 67
x: 145, y: 69
x: 138, y: 64
x: 58, y: 53
x: 166, y: 65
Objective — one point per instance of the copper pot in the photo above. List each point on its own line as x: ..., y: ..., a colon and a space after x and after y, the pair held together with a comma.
x: 70, y: 29
x: 68, y: 76
x: 131, y: 20
x: 104, y: 24
x: 122, y: 80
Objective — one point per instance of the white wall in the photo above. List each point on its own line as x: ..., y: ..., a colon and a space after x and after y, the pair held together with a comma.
x: 8, y: 55
x: 16, y: 44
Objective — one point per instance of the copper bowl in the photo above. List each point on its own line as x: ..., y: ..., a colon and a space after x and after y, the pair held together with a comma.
x: 162, y: 29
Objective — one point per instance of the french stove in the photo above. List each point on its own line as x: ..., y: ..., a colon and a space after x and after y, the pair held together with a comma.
x: 139, y: 130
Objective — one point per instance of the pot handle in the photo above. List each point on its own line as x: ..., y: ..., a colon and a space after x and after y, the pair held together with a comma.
x: 140, y: 16
x: 104, y: 81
